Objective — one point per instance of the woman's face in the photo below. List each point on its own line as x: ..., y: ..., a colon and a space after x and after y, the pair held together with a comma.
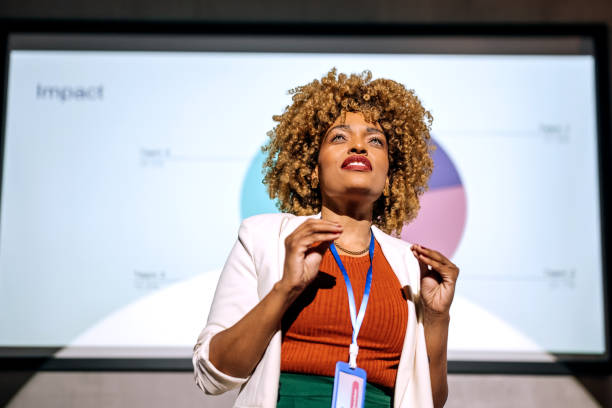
x: 353, y: 161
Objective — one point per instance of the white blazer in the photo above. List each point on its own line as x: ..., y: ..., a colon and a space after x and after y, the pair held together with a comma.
x: 254, y: 265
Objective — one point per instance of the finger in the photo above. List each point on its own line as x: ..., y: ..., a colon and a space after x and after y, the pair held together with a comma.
x: 322, y: 245
x: 315, y: 244
x: 431, y: 262
x: 433, y: 254
x: 430, y: 253
x: 316, y: 239
x: 434, y: 275
x: 314, y: 221
x: 442, y: 269
x: 318, y: 226
x: 422, y: 265
x: 306, y: 230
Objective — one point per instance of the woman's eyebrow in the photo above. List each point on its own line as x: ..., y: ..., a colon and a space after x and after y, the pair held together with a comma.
x: 347, y: 127
x: 344, y: 127
x: 374, y: 130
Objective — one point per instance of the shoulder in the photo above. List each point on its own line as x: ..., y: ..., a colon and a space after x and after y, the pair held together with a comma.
x: 261, y: 234
x: 265, y: 220
x: 270, y: 226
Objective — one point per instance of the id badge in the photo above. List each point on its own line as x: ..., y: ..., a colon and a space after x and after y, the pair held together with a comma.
x: 349, y: 386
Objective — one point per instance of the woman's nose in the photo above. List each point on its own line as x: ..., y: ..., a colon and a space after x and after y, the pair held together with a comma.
x: 358, y: 147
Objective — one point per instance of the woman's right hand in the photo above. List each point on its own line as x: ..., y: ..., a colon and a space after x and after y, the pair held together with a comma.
x: 237, y: 350
x: 304, y: 249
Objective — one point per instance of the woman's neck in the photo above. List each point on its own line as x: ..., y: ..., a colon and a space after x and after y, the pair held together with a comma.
x: 356, y: 227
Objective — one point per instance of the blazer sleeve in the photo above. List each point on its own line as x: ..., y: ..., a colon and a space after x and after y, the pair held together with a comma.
x: 236, y: 294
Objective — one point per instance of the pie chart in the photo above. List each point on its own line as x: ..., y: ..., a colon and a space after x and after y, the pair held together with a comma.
x: 441, y: 219
x: 443, y: 212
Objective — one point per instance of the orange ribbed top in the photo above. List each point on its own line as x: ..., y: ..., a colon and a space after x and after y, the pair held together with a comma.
x: 317, y: 328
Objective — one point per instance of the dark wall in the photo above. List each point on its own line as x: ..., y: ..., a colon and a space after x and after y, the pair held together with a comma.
x: 319, y: 10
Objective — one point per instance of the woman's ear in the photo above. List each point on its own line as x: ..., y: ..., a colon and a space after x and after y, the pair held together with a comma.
x: 314, y: 177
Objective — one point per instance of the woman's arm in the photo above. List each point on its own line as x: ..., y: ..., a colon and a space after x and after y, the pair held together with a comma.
x: 236, y: 351
x: 436, y: 339
x: 438, y: 278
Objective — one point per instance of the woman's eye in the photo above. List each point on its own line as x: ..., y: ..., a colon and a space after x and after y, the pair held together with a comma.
x: 337, y: 136
x: 377, y: 140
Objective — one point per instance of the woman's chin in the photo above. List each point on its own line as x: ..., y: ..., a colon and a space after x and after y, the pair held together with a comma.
x: 358, y: 193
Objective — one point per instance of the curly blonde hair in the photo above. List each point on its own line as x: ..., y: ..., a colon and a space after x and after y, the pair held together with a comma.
x: 294, y: 143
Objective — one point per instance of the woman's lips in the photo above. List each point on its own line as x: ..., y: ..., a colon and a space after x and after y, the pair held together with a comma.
x: 357, y: 162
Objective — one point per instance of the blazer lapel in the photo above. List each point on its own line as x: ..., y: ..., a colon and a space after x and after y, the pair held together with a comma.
x: 405, y: 267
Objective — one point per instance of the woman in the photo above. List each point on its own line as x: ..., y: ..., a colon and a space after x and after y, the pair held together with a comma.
x: 347, y: 162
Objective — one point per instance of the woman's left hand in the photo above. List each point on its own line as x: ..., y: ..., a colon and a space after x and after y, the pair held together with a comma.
x: 438, y: 277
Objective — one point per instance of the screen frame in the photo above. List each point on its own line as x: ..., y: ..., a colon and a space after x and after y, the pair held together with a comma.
x: 36, y: 358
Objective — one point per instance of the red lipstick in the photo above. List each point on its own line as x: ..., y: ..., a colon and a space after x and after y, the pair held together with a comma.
x: 357, y: 162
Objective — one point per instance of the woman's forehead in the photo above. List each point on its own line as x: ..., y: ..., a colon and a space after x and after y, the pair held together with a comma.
x: 354, y: 118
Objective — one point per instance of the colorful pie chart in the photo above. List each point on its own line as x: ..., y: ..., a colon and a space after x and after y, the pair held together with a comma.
x: 442, y: 216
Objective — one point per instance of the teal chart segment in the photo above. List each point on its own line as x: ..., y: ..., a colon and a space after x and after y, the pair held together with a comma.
x: 254, y: 198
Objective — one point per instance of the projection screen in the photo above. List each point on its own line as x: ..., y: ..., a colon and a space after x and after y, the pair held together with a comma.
x: 130, y: 159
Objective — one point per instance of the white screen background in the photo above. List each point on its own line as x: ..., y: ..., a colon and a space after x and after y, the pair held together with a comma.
x: 118, y: 213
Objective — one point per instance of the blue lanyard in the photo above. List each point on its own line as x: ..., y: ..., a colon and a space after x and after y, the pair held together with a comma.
x: 356, y: 319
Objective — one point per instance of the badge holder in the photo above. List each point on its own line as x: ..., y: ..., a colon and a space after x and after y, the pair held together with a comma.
x: 349, y: 386
x: 350, y: 380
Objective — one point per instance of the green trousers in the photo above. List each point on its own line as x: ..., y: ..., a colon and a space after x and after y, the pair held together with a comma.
x: 315, y: 391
